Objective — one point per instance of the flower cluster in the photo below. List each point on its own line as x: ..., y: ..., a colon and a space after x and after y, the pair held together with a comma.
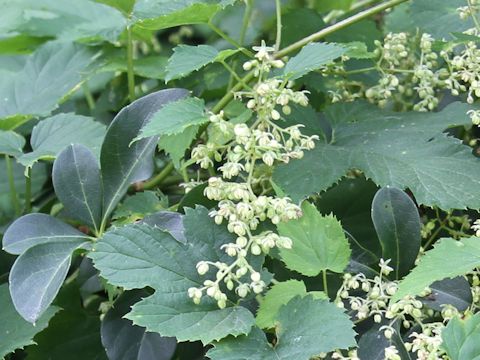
x: 240, y: 204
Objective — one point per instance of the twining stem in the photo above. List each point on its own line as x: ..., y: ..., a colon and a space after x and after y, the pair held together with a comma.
x: 28, y: 191
x: 162, y: 175
x: 278, y: 39
x: 11, y: 184
x: 338, y: 26
x: 130, y: 70
x: 325, y: 282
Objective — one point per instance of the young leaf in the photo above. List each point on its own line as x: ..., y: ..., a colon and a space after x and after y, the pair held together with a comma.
x: 156, y: 15
x: 78, y: 185
x: 186, y: 59
x: 35, y: 229
x: 16, y: 332
x: 50, y: 74
x: 397, y: 222
x: 123, y: 163
x: 175, y: 118
x: 463, y: 256
x: 461, y: 338
x: 11, y: 143
x: 123, y: 340
x: 438, y: 169
x: 38, y: 274
x: 311, y: 58
x: 319, y: 243
x: 139, y: 255
x: 52, y: 135
x: 280, y: 294
x: 300, y: 335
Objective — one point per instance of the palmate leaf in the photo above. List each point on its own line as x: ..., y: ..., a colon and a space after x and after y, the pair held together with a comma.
x: 52, y: 135
x: 404, y: 150
x: 463, y: 256
x: 16, y: 332
x: 48, y: 75
x: 461, y: 338
x: 300, y: 334
x: 164, y: 14
x: 140, y: 255
x: 397, y: 222
x: 319, y: 243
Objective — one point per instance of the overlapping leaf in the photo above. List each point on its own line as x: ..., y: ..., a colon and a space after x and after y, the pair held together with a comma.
x: 11, y: 143
x: 461, y: 338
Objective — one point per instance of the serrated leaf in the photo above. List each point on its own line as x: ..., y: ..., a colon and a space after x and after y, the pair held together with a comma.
x: 16, y: 332
x: 312, y: 57
x: 397, y: 222
x: 35, y: 229
x: 175, y: 145
x: 139, y: 255
x: 280, y: 294
x: 461, y: 338
x: 123, y: 163
x: 123, y: 340
x: 52, y: 135
x: 438, y: 169
x: 463, y: 256
x: 49, y: 74
x: 175, y: 118
x: 78, y: 185
x: 11, y: 143
x: 319, y: 243
x: 37, y: 275
x: 300, y: 335
x: 358, y: 50
x: 187, y: 58
x: 164, y: 14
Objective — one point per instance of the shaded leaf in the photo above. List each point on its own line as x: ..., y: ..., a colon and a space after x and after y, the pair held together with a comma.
x: 177, y: 144
x: 136, y: 206
x: 11, y: 143
x: 455, y: 292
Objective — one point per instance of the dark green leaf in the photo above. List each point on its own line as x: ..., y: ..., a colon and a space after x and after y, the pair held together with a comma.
x: 124, y: 341
x: 455, y: 292
x: 78, y: 185
x: 461, y: 338
x: 136, y: 206
x: 15, y: 331
x: 372, y: 344
x: 397, y: 222
x: 123, y: 163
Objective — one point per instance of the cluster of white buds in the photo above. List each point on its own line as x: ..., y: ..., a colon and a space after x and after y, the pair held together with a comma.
x: 470, y: 10
x: 427, y: 344
x: 240, y: 205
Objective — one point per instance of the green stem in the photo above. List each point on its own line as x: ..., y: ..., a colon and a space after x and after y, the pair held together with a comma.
x: 130, y: 71
x: 157, y: 180
x: 338, y: 26
x: 246, y: 20
x: 230, y: 40
x: 234, y: 74
x: 88, y: 96
x: 185, y: 175
x: 325, y: 282
x: 28, y: 191
x: 278, y: 40
x: 11, y: 183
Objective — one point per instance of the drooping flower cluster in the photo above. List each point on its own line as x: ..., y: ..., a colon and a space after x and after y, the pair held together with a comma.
x: 240, y: 203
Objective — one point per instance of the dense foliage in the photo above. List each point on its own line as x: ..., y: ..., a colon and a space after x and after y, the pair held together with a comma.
x: 239, y: 179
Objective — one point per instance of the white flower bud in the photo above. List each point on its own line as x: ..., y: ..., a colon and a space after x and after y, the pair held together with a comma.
x: 202, y: 267
x: 255, y: 276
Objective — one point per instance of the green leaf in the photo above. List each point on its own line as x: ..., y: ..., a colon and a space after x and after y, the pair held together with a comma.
x: 455, y: 292
x: 52, y: 135
x: 169, y: 221
x: 463, y: 256
x: 438, y: 169
x: 50, y: 74
x: 187, y: 58
x: 175, y: 145
x: 439, y: 18
x: 164, y: 14
x: 138, y: 205
x: 125, y: 6
x: 78, y: 185
x: 35, y: 229
x: 16, y: 332
x: 319, y: 243
x: 11, y: 143
x: 175, y: 117
x: 311, y: 58
x: 152, y: 67
x: 139, y: 255
x: 397, y: 222
x: 122, y: 339
x: 461, y: 338
x: 300, y: 335
x: 37, y: 275
x: 123, y: 163
x: 280, y: 294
